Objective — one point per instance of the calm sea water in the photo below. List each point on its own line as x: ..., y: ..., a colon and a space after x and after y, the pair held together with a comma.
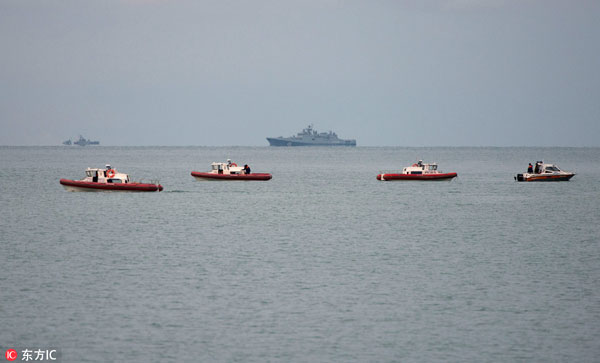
x: 321, y: 264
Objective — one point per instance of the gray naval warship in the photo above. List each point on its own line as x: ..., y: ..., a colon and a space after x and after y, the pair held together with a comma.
x: 81, y: 142
x: 310, y: 137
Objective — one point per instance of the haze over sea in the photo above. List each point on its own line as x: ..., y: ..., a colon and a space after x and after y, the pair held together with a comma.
x: 323, y: 263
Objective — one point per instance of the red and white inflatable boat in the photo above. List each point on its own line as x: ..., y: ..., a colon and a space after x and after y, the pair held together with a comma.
x: 103, y: 180
x: 417, y: 171
x: 230, y: 171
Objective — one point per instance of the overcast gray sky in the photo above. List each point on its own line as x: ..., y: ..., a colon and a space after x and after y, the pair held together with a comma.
x: 388, y: 73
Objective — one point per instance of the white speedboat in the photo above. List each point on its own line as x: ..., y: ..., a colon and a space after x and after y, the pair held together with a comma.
x: 544, y: 172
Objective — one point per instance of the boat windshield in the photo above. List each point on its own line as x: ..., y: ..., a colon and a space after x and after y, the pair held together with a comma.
x: 433, y: 167
x: 552, y: 168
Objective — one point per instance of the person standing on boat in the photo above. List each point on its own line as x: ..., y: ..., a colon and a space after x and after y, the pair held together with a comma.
x: 530, y: 168
x: 246, y: 169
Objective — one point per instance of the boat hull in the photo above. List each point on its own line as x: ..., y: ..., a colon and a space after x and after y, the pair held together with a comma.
x: 543, y: 178
x: 416, y: 177
x: 83, y: 186
x: 290, y: 142
x: 213, y: 176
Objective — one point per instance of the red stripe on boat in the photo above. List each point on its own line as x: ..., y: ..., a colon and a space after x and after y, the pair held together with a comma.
x: 252, y: 176
x: 387, y: 177
x: 136, y: 187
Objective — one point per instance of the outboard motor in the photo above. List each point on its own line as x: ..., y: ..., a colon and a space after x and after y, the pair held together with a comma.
x: 519, y: 177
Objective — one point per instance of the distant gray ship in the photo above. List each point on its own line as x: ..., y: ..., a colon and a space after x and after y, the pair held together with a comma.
x: 310, y: 137
x: 81, y: 142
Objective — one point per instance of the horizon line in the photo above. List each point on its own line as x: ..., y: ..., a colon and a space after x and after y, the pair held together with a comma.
x: 312, y: 147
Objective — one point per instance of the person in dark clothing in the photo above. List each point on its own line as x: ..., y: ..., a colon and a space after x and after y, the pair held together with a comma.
x: 246, y: 169
x: 530, y: 168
